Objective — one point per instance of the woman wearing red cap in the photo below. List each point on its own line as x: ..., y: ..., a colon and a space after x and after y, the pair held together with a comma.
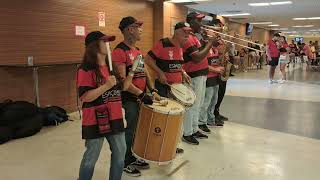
x: 100, y: 94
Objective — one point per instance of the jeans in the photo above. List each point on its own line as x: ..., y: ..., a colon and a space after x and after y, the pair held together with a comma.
x: 191, y: 118
x: 210, y: 100
x: 131, y: 113
x: 93, y: 147
x: 221, y: 93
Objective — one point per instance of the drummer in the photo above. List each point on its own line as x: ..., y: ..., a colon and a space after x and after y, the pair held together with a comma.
x: 166, y: 58
x: 124, y: 55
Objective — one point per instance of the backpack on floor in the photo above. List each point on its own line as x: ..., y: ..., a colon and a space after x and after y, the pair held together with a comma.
x: 19, y: 119
x: 54, y: 115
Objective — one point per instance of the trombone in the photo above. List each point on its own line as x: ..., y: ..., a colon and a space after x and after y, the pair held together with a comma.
x: 206, y: 29
x: 213, y: 29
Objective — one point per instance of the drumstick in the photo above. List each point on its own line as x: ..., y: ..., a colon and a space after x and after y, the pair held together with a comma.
x: 109, y: 56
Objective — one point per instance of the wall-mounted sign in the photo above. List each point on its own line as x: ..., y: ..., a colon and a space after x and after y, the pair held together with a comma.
x: 80, y: 30
x: 102, y: 19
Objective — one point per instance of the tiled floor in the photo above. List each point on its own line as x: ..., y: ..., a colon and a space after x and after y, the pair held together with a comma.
x: 271, y: 150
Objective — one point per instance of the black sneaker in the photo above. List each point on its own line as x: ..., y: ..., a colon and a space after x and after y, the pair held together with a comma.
x: 219, y: 122
x: 199, y: 135
x: 179, y: 151
x: 204, y: 128
x: 223, y: 118
x: 140, y: 164
x: 190, y: 140
x: 132, y: 171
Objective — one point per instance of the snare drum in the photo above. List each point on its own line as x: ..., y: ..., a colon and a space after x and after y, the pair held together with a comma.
x: 158, y: 132
x: 183, y: 94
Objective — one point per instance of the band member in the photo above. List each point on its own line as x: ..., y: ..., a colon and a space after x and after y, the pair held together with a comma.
x: 100, y: 96
x: 273, y: 56
x: 196, y: 66
x: 124, y: 55
x: 219, y: 118
x: 166, y: 59
x: 212, y: 88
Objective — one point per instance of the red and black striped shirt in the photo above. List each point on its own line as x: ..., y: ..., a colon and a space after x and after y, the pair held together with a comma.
x: 123, y: 54
x: 109, y: 104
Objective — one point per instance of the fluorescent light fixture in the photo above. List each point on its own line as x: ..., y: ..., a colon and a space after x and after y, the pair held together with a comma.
x: 306, y: 26
x: 313, y: 18
x: 309, y: 18
x: 299, y: 19
x: 270, y: 3
x: 280, y: 3
x: 231, y: 15
x: 259, y: 4
x: 261, y: 23
x: 280, y: 29
x: 274, y: 25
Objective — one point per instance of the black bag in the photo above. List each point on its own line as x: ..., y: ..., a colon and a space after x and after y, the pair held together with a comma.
x: 6, y: 134
x: 54, y: 115
x: 19, y: 119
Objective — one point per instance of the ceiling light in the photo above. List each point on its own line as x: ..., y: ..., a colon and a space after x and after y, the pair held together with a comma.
x: 270, y: 3
x: 309, y: 18
x: 274, y: 25
x: 313, y: 18
x: 303, y: 26
x: 299, y: 19
x: 240, y: 14
x: 261, y: 23
x: 259, y: 4
x: 280, y: 3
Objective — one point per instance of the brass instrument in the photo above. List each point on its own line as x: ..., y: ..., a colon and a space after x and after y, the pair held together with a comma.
x: 227, y: 67
x: 213, y: 30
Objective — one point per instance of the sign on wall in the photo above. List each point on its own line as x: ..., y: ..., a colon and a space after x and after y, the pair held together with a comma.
x: 80, y: 30
x: 102, y: 19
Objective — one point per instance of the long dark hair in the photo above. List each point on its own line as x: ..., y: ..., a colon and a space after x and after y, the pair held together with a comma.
x: 90, y: 61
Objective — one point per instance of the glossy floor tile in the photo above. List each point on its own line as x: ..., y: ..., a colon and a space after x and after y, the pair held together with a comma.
x: 290, y: 116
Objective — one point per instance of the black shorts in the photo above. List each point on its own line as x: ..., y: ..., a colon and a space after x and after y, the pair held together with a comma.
x: 274, y: 61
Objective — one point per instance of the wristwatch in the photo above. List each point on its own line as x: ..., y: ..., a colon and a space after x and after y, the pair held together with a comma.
x: 153, y: 91
x: 131, y: 73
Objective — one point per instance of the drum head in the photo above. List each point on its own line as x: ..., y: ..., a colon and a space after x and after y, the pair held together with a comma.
x: 171, y: 108
x: 184, y: 94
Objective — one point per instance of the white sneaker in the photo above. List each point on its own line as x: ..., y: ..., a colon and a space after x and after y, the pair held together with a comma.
x: 271, y: 81
x: 281, y: 81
